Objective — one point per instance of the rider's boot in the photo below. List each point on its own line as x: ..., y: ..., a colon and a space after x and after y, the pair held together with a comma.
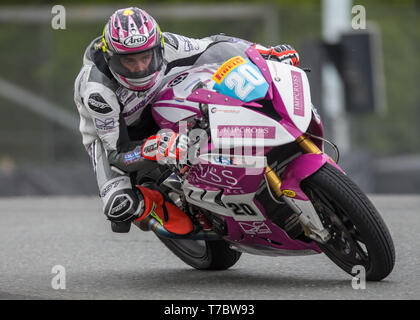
x: 167, y: 214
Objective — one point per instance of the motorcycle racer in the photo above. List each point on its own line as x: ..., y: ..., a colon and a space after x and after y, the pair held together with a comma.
x: 122, y: 72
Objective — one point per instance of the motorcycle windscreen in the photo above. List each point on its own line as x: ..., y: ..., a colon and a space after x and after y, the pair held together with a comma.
x: 241, y: 79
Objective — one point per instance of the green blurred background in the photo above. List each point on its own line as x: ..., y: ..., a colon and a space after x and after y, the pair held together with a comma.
x: 45, y: 62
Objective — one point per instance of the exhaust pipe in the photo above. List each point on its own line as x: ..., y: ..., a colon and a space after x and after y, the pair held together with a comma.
x: 157, y: 228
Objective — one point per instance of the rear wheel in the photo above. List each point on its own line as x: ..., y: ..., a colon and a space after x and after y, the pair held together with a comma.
x: 200, y: 254
x: 359, y: 236
x: 203, y: 255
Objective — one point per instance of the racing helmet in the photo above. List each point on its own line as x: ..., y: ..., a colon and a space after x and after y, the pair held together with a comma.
x: 132, y: 44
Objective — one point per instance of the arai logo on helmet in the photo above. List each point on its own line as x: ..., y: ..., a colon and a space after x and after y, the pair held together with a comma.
x: 134, y: 41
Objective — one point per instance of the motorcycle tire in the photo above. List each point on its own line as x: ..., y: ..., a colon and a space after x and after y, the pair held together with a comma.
x: 359, y: 234
x: 203, y: 255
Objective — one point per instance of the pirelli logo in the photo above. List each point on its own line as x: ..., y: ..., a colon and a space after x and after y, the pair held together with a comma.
x: 227, y: 67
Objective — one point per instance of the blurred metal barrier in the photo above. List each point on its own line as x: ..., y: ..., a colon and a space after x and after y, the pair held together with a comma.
x: 39, y: 105
x: 99, y: 13
x: 88, y: 13
x: 398, y: 174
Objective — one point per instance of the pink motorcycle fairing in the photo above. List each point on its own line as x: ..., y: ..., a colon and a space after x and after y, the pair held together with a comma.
x: 301, y: 168
x: 249, y: 228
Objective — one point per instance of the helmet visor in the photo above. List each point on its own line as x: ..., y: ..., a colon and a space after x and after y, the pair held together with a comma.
x: 137, y: 65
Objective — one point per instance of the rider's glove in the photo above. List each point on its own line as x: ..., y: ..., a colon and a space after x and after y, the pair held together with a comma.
x: 282, y: 52
x: 166, y: 147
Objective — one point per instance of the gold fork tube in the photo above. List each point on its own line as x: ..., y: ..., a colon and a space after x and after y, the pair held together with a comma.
x: 274, y: 181
x: 307, y: 145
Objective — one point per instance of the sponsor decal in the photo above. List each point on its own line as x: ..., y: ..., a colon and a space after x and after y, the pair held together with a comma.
x: 234, y: 40
x: 289, y: 193
x: 145, y: 100
x: 214, y: 110
x: 246, y: 132
x: 232, y: 160
x: 135, y: 41
x: 240, y: 79
x: 298, y: 99
x: 149, y: 149
x: 316, y: 114
x: 107, y: 124
x: 171, y: 40
x: 227, y: 67
x: 210, y: 175
x: 113, y: 184
x: 191, y: 84
x: 189, y: 44
x: 133, y: 156
x: 255, y: 227
x: 98, y: 104
x: 124, y: 95
x: 120, y: 207
x: 224, y: 160
x: 177, y: 80
x: 234, y: 191
x: 128, y: 12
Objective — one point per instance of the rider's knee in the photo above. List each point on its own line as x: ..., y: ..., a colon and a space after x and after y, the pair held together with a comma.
x: 122, y: 202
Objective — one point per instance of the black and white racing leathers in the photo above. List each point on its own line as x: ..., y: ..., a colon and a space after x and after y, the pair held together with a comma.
x: 114, y: 120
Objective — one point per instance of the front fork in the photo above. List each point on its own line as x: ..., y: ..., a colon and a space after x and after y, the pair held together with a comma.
x: 293, y: 196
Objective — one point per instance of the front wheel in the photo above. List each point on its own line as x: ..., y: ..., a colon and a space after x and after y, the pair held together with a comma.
x: 203, y: 255
x: 359, y: 236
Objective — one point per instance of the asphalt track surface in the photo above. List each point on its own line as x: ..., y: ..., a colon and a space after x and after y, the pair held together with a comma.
x: 37, y: 234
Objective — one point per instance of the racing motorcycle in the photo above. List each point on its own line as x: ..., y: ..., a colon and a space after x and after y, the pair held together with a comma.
x: 261, y: 182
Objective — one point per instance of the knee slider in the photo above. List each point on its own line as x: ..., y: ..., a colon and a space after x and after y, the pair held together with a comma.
x: 124, y: 205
